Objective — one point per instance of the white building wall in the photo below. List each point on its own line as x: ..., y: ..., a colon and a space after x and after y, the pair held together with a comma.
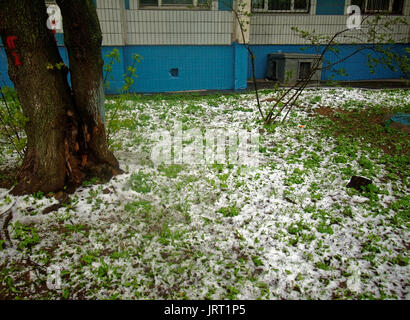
x: 109, y: 14
x: 162, y: 27
x: 210, y: 27
x: 183, y: 27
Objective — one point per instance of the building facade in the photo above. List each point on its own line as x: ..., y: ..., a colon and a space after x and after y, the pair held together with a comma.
x: 199, y: 45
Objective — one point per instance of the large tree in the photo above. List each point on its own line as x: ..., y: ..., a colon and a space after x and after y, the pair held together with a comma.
x: 66, y: 138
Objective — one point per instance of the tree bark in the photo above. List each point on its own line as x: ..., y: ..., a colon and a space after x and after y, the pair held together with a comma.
x: 65, y: 131
x: 83, y: 38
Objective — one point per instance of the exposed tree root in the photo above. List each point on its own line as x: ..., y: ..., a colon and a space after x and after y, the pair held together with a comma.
x: 84, y: 157
x: 5, y: 218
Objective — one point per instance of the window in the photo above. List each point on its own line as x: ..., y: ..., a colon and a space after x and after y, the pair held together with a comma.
x: 380, y: 6
x: 280, y: 6
x: 169, y: 4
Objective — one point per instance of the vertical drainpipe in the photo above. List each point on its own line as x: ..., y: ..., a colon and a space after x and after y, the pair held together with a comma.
x: 239, y: 48
x: 406, y: 11
x: 123, y: 15
x: 408, y: 35
x: 124, y: 22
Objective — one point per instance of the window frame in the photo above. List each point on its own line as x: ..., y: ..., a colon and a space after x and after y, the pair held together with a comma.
x: 292, y: 8
x: 388, y: 12
x: 161, y: 6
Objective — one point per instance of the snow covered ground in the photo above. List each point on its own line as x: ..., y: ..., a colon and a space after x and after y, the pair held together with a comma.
x: 283, y: 227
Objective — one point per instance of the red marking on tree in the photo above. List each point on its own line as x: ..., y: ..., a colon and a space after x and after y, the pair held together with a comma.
x: 12, y: 46
x: 10, y: 42
x: 54, y: 31
x: 17, y: 61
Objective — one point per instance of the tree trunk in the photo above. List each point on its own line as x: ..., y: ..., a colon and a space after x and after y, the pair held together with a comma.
x: 83, y: 38
x: 65, y: 133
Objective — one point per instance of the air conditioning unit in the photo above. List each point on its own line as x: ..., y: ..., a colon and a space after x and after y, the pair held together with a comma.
x: 290, y: 67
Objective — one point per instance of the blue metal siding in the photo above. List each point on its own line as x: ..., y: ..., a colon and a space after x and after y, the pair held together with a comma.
x: 117, y: 74
x: 199, y: 67
x: 241, y: 66
x: 355, y: 67
x: 213, y: 67
x: 4, y: 76
x: 334, y: 7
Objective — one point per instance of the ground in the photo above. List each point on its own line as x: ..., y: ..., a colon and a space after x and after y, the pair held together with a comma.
x: 283, y: 226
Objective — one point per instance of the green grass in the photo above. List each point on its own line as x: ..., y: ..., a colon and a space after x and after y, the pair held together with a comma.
x: 141, y: 182
x: 231, y: 211
x: 172, y: 232
x: 27, y: 236
x: 170, y: 171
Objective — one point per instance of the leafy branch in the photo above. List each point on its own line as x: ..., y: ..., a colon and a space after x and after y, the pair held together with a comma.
x: 129, y: 76
x: 12, y: 120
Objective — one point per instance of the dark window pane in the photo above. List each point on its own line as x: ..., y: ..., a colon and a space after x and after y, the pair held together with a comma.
x: 359, y: 3
x: 176, y: 2
x: 149, y: 2
x: 301, y: 4
x: 378, y: 5
x: 279, y: 4
x: 258, y: 4
x: 398, y: 6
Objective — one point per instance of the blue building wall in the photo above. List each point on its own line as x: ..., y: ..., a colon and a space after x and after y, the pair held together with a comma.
x: 4, y: 78
x: 197, y: 67
x: 241, y: 66
x: 171, y: 68
x: 117, y: 73
x: 356, y: 66
x: 214, y: 67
